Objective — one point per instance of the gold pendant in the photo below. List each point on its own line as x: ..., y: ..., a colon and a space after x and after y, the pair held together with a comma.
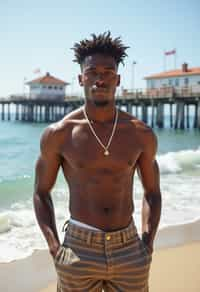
x: 106, y: 153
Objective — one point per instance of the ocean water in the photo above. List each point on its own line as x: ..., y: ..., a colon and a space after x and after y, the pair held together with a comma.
x: 179, y: 161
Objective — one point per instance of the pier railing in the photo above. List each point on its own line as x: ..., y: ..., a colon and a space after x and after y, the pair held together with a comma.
x: 164, y: 92
x: 126, y: 94
x: 20, y: 97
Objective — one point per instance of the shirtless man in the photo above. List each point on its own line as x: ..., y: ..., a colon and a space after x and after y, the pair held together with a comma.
x: 99, y: 148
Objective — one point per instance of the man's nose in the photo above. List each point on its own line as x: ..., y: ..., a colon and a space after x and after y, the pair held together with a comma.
x: 99, y: 82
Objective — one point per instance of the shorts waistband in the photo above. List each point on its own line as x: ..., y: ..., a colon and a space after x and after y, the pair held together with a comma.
x: 79, y: 223
x: 99, y: 236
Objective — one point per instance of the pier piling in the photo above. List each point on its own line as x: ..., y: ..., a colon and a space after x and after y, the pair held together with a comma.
x: 160, y: 115
x: 129, y: 108
x: 152, y: 113
x: 136, y: 111
x: 171, y: 114
x: 144, y: 113
x: 182, y: 115
x: 17, y: 112
x: 3, y: 112
x: 9, y: 117
x: 198, y: 114
x: 195, y: 116
x: 187, y: 116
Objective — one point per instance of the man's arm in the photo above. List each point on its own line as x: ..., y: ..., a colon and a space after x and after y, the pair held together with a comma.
x: 47, y: 167
x: 148, y: 172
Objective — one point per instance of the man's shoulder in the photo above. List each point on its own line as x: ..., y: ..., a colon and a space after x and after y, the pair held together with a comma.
x: 144, y: 133
x: 137, y: 124
x: 60, y: 130
x: 126, y: 117
x: 141, y: 127
x: 66, y: 123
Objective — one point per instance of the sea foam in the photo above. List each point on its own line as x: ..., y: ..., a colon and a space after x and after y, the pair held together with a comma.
x: 180, y: 161
x: 5, y: 224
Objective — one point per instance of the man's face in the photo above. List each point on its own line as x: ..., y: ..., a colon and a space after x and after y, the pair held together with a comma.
x: 99, y: 78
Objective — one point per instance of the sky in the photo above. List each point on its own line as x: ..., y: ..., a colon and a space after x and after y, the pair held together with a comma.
x: 39, y: 34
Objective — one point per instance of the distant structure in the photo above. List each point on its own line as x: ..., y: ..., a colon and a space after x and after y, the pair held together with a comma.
x: 184, y: 79
x: 47, y: 87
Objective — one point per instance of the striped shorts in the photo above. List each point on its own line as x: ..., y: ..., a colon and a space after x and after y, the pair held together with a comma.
x: 94, y: 261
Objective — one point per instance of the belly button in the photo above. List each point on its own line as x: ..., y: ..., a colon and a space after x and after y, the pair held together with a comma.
x: 106, y: 210
x: 81, y: 165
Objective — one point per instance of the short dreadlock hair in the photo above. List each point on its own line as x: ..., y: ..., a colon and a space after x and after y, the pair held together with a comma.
x: 102, y: 43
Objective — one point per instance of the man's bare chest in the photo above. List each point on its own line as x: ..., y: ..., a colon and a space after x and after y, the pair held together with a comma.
x: 83, y: 151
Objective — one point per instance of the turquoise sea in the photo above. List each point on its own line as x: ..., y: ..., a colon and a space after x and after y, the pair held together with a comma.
x: 178, y: 157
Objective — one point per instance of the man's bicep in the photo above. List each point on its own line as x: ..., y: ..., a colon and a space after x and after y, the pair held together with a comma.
x: 48, y: 163
x: 46, y: 171
x: 148, y: 172
x: 147, y: 165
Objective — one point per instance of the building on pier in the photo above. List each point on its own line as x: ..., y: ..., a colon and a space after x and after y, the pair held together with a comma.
x: 184, y: 82
x: 47, y: 87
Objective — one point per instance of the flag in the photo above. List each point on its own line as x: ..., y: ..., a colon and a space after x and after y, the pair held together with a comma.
x: 172, y: 52
x: 36, y: 71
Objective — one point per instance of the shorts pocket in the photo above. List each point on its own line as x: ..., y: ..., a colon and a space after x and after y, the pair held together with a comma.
x: 58, y: 253
x: 65, y: 256
x: 146, y: 248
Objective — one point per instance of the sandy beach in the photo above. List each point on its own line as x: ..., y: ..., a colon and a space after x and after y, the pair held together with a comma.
x: 175, y: 265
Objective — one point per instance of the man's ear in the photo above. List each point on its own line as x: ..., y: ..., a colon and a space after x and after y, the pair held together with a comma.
x: 80, y: 79
x: 119, y: 79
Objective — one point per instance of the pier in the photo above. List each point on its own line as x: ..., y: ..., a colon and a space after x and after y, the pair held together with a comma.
x: 146, y: 105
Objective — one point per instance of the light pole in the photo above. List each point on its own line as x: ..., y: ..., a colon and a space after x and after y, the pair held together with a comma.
x: 133, y: 76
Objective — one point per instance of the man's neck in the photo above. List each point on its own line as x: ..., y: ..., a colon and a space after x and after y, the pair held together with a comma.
x: 100, y: 114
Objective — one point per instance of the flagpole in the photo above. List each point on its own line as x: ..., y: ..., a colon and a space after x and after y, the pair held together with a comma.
x: 164, y: 61
x: 175, y: 58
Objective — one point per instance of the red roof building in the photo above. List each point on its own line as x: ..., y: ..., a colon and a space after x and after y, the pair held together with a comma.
x: 185, y: 71
x: 47, y: 87
x: 183, y: 77
x: 175, y: 80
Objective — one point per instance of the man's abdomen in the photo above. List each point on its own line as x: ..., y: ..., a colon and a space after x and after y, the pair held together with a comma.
x: 107, y: 212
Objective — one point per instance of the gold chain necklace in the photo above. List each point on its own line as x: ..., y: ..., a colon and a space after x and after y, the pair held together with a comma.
x: 106, y: 152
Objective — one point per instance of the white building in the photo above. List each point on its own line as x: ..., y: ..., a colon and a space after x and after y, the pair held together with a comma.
x: 47, y: 87
x: 179, y: 81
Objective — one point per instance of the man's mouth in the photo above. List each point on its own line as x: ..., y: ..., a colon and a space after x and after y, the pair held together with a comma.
x: 99, y: 89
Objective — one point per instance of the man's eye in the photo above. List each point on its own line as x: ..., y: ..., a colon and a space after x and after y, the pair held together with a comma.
x: 109, y: 74
x: 91, y: 72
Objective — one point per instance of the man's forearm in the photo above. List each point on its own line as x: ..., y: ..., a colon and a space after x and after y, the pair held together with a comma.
x: 151, y: 212
x: 44, y: 211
